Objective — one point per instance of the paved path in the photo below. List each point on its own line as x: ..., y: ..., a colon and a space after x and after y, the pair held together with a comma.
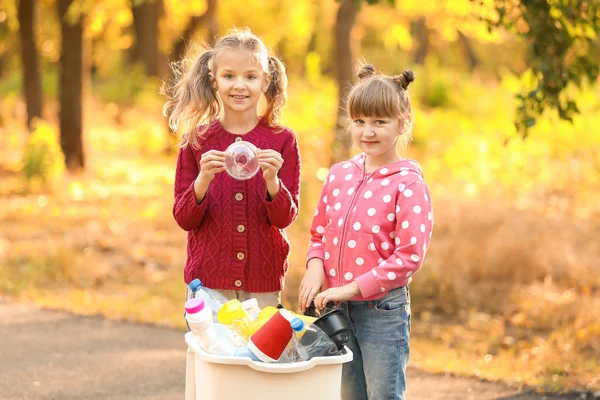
x: 54, y: 355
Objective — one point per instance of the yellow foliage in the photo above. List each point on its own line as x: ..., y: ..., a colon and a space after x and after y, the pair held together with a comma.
x: 398, y: 35
x: 42, y: 156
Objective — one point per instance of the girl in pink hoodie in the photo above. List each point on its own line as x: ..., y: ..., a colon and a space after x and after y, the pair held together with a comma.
x: 369, y: 235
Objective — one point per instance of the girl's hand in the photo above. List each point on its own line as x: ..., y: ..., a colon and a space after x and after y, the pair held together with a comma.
x: 270, y: 162
x: 313, y: 281
x: 211, y: 163
x: 337, y: 294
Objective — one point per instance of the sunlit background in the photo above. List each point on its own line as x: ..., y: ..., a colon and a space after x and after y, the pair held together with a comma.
x: 510, y: 288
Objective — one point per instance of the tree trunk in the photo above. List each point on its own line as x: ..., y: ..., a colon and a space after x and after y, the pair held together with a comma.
x: 145, y: 23
x: 420, y: 30
x: 342, y: 61
x: 469, y: 52
x: 71, y: 88
x: 32, y: 83
x: 196, y: 22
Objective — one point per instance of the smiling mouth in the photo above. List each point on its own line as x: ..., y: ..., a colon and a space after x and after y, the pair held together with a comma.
x: 370, y: 142
x: 239, y: 97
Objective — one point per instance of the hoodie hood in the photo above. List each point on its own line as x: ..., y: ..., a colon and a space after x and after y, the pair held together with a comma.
x: 399, y: 166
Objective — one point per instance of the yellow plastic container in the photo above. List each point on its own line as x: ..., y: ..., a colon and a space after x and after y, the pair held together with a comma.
x: 232, y: 313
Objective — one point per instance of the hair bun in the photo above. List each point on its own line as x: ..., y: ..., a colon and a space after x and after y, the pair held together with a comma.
x: 366, y: 71
x: 405, y: 78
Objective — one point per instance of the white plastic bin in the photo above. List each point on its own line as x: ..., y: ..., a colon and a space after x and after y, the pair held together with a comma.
x: 210, y: 377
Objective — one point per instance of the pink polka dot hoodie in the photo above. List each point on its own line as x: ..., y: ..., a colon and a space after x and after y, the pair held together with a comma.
x: 373, y: 228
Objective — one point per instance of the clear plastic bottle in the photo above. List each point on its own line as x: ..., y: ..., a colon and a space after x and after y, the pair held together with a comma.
x: 289, y: 355
x: 310, y: 341
x: 200, y: 320
x: 213, y: 299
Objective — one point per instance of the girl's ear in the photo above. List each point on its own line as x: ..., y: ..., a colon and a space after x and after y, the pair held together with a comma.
x: 266, y: 83
x: 404, y: 123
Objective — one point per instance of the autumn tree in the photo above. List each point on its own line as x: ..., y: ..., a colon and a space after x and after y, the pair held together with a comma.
x: 146, y: 15
x: 343, y: 63
x: 561, y: 49
x: 32, y: 83
x: 71, y: 84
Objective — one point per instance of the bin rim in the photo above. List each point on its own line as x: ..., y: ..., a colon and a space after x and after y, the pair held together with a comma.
x: 267, y: 367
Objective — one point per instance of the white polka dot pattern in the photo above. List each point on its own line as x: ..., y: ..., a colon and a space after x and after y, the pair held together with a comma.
x: 380, y: 222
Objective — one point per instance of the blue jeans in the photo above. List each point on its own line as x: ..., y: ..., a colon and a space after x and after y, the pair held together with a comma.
x: 379, y: 339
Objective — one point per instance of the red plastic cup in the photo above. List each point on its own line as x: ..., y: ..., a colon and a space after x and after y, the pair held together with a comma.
x: 269, y: 342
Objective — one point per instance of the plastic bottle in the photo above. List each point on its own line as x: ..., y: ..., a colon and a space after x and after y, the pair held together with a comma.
x: 245, y: 352
x: 213, y: 299
x: 200, y: 320
x: 232, y: 336
x: 311, y: 341
x: 289, y: 355
x: 252, y: 309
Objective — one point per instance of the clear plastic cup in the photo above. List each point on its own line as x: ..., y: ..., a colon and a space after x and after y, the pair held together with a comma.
x: 241, y: 160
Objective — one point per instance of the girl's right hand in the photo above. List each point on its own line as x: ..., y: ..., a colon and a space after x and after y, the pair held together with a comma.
x: 211, y: 163
x: 311, y: 284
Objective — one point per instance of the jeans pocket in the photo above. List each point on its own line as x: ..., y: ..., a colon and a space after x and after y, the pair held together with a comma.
x: 390, y: 306
x: 395, y: 302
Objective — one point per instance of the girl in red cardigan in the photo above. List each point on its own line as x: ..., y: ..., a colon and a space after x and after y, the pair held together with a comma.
x: 236, y: 241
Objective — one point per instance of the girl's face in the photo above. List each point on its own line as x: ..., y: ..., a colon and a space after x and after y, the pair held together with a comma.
x: 377, y: 137
x: 240, y: 81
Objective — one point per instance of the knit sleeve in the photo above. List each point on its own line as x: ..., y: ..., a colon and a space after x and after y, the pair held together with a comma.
x: 283, y: 209
x: 414, y: 224
x: 186, y: 211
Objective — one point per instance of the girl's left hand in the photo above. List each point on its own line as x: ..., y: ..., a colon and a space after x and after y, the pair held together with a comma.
x: 337, y: 294
x: 270, y: 162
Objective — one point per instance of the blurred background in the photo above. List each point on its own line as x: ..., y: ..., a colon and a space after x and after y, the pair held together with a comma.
x: 507, y: 111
